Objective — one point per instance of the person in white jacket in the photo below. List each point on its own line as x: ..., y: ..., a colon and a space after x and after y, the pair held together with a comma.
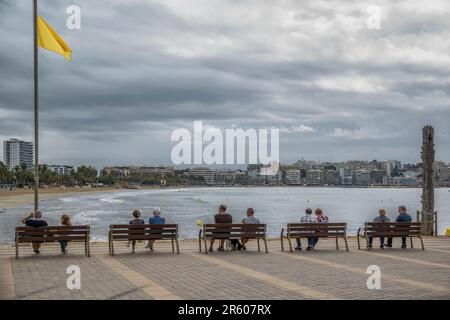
x: 308, y: 218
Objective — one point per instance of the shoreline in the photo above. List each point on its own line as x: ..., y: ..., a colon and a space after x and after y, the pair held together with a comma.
x: 13, y: 199
x: 24, y: 197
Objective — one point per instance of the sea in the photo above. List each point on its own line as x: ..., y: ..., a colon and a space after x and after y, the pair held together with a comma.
x: 275, y: 206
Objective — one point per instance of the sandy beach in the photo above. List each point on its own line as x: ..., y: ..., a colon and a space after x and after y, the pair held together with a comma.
x: 23, y: 197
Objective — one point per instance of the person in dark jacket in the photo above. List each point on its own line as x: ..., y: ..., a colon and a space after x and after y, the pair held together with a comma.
x: 381, y: 218
x: 35, y: 220
x: 221, y: 217
x: 136, y: 220
x: 402, y: 217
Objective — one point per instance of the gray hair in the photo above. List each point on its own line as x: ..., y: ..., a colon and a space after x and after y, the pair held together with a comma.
x: 157, y: 212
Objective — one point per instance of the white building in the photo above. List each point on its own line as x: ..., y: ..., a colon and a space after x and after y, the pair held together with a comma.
x: 346, y: 175
x: 292, y: 177
x: 16, y: 153
x: 60, y: 169
x: 207, y: 175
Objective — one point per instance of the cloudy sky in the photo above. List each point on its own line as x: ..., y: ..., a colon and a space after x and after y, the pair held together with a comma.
x: 336, y: 89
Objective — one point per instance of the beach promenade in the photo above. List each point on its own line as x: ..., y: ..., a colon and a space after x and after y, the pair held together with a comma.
x: 321, y: 274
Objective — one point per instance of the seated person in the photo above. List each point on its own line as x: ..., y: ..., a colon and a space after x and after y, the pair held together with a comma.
x: 35, y: 220
x: 307, y: 218
x: 222, y: 217
x: 381, y: 218
x: 402, y: 217
x: 136, y: 220
x: 250, y: 220
x: 156, y: 219
x: 64, y: 221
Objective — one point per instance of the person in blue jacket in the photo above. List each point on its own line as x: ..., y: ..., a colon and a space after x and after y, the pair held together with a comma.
x: 156, y: 219
x: 402, y: 217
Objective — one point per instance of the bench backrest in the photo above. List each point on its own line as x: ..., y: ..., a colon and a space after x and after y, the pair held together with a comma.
x: 392, y: 229
x: 336, y: 229
x: 234, y: 230
x: 143, y: 231
x: 53, y: 233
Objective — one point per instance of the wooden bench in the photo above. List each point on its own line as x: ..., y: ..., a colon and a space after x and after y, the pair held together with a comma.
x: 227, y: 231
x: 53, y: 234
x: 134, y: 232
x: 390, y: 230
x: 318, y: 230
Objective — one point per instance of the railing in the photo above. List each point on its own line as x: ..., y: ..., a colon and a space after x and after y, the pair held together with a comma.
x: 433, y: 222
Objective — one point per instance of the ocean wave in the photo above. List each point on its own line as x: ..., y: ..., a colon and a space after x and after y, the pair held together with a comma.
x: 196, y: 199
x: 111, y: 199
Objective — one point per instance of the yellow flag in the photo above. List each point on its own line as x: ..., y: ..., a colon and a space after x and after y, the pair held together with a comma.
x: 50, y: 40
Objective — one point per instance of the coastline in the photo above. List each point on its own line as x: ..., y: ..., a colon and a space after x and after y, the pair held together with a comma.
x: 23, y: 197
x: 13, y: 199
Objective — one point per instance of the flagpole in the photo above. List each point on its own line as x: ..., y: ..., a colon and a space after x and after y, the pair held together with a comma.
x: 36, y: 106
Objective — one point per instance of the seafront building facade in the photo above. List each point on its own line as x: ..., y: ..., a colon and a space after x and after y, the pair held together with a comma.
x: 61, y: 169
x: 16, y: 153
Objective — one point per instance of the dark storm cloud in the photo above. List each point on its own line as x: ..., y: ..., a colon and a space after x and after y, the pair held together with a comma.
x: 143, y: 68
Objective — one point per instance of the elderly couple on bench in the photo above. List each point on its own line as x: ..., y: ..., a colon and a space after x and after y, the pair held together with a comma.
x: 156, y: 219
x: 35, y: 220
x: 403, y: 216
x: 225, y: 218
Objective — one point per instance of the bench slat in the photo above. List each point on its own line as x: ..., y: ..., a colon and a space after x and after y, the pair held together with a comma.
x: 319, y: 230
x: 51, y: 239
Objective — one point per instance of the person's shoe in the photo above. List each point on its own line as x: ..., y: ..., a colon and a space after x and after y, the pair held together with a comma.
x: 244, y: 248
x: 370, y: 246
x: 220, y: 249
x: 404, y: 246
x: 309, y: 248
x: 298, y: 248
x: 388, y: 245
x: 381, y: 246
x: 210, y: 250
x: 37, y: 251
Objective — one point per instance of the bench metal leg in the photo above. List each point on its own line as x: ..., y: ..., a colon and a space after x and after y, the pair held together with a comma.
x: 199, y: 243
x: 173, y: 246
x: 259, y: 247
x: 421, y: 242
x: 17, y: 249
x: 346, y: 244
x: 112, y: 247
x: 178, y: 246
x: 290, y: 244
x: 88, y: 249
x: 281, y: 239
x: 337, y: 244
x: 411, y: 241
x: 357, y: 238
x: 206, y: 246
x: 265, y: 245
x: 367, y: 242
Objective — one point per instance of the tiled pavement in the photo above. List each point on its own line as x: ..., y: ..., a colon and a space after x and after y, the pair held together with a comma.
x: 321, y: 274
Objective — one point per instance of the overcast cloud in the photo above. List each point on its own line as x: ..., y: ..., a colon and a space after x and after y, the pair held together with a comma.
x: 143, y: 68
